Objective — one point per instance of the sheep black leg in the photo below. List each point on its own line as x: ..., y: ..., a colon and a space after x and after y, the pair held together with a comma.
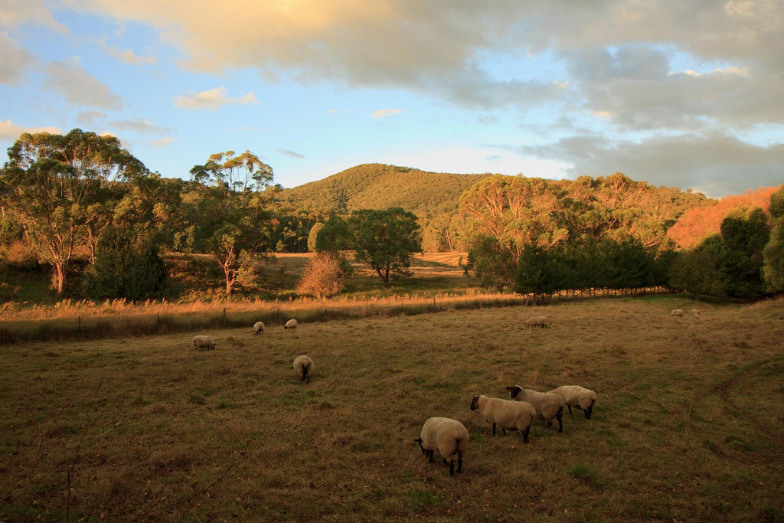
x: 430, y: 456
x: 525, y: 434
x: 460, y: 463
x: 559, y: 417
x: 588, y: 412
x: 493, y: 429
x: 451, y: 467
x: 570, y: 409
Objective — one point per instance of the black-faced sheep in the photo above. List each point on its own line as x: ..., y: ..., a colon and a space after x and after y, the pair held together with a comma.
x: 536, y: 321
x: 447, y: 435
x: 507, y: 414
x: 203, y: 342
x: 258, y: 328
x: 303, y: 367
x: 548, y: 406
x: 291, y: 324
x: 579, y: 397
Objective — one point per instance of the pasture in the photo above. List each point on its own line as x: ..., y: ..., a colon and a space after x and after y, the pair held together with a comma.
x: 689, y: 423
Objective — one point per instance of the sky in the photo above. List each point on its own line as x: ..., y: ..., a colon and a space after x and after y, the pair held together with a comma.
x: 685, y: 94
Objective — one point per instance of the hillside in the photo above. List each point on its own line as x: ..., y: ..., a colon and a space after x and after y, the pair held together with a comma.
x: 379, y: 186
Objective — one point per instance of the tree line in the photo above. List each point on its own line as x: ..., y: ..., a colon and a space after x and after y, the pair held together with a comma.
x: 82, y: 198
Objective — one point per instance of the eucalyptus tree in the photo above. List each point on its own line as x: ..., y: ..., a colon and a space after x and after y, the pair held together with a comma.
x: 242, y: 173
x: 62, y: 190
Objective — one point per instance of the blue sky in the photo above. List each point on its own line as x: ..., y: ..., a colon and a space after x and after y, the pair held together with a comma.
x: 687, y: 94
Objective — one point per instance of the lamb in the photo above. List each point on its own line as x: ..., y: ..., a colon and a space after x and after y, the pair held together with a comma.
x: 203, y: 342
x: 303, y: 366
x: 447, y: 435
x: 536, y: 321
x: 547, y: 405
x: 258, y: 328
x: 291, y: 324
x: 579, y: 397
x: 676, y: 312
x: 507, y: 414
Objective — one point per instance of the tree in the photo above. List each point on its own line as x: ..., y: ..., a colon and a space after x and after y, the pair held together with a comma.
x: 385, y: 240
x: 58, y: 188
x: 334, y: 236
x: 245, y: 172
x: 773, y: 253
x: 744, y: 236
x: 324, y: 275
x: 313, y: 236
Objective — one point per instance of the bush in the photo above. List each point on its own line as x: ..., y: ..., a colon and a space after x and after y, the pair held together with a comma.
x: 324, y: 275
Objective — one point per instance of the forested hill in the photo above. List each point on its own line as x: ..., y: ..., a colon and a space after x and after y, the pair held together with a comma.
x: 379, y: 186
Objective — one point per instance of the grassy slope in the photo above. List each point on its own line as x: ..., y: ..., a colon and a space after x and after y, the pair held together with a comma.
x: 689, y: 423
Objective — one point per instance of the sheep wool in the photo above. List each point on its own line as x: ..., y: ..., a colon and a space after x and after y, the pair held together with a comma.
x: 578, y: 397
x: 536, y: 321
x: 447, y: 435
x: 548, y: 406
x: 291, y: 324
x: 258, y: 327
x: 203, y: 342
x: 303, y: 367
x: 676, y: 312
x: 507, y: 414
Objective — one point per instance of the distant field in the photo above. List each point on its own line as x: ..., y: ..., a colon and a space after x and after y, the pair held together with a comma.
x: 689, y: 423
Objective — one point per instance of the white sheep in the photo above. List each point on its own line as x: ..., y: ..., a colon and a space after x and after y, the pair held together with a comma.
x: 676, y: 312
x: 536, y: 321
x: 258, y: 327
x: 303, y: 366
x: 291, y: 324
x: 579, y: 397
x: 203, y: 342
x: 696, y: 313
x: 547, y: 405
x: 447, y: 435
x: 507, y: 414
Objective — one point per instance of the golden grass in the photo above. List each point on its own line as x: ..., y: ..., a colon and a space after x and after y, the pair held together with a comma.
x: 689, y: 424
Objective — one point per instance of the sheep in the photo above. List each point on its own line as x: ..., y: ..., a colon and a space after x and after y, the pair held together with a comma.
x: 548, y: 406
x: 203, y: 342
x: 258, y: 328
x: 676, y: 312
x: 507, y: 414
x: 536, y: 321
x: 579, y: 397
x: 696, y: 313
x: 303, y: 366
x: 447, y: 435
x: 291, y: 324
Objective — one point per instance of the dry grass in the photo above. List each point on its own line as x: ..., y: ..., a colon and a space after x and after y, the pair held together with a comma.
x: 689, y: 424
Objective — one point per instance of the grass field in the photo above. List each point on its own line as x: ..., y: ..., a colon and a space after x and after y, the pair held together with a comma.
x: 689, y: 423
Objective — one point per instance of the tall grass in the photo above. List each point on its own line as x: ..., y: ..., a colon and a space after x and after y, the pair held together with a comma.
x: 689, y: 425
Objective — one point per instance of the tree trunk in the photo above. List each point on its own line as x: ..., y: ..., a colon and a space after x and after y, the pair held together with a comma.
x: 59, y: 274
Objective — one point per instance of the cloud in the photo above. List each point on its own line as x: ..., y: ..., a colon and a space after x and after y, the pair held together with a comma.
x: 292, y: 154
x: 162, y: 142
x: 11, y: 131
x: 716, y: 164
x: 211, y: 99
x: 79, y: 87
x: 13, y: 60
x: 384, y: 113
x: 126, y: 55
x: 142, y: 126
x: 16, y: 12
x: 90, y: 118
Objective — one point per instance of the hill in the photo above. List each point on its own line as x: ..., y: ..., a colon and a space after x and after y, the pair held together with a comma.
x: 379, y: 186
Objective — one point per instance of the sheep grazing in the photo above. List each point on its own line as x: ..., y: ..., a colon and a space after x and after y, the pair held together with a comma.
x: 536, y: 321
x: 579, y: 397
x: 447, y: 435
x: 507, y: 414
x: 303, y: 366
x: 258, y: 328
x: 203, y: 342
x: 676, y: 312
x: 548, y: 406
x: 696, y: 313
x: 291, y: 324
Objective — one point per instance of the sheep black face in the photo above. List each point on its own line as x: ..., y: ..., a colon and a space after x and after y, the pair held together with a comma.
x: 475, y: 403
x: 427, y: 453
x: 514, y: 391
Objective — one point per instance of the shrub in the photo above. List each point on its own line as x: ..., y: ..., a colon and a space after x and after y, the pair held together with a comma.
x: 324, y: 275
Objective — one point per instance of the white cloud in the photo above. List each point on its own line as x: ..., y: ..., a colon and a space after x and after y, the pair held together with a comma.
x: 126, y: 55
x: 162, y: 142
x: 11, y: 131
x: 384, y: 113
x: 211, y: 99
x: 142, y: 125
x: 13, y: 60
x: 78, y: 86
x: 16, y: 12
